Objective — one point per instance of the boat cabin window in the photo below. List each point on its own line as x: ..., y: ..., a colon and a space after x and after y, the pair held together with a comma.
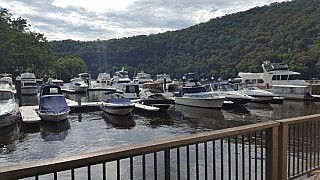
x: 293, y: 77
x: 29, y: 84
x: 53, y: 90
x: 276, y: 77
x: 132, y: 89
x: 5, y: 95
x: 284, y: 77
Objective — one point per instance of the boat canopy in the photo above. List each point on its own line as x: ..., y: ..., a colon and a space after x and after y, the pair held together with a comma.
x: 48, y: 89
x: 53, y: 103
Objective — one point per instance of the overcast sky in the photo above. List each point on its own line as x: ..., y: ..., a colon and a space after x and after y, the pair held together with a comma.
x: 107, y: 19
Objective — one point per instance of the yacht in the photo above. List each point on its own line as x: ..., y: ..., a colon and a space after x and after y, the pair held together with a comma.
x: 9, y: 109
x: 103, y: 80
x: 225, y: 89
x: 86, y: 78
x: 120, y: 77
x: 166, y: 80
x: 29, y: 84
x: 283, y: 81
x: 142, y: 78
x: 78, y: 85
x: 194, y: 94
x: 6, y: 81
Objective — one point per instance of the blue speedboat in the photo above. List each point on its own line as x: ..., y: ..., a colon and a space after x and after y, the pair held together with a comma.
x: 52, y: 103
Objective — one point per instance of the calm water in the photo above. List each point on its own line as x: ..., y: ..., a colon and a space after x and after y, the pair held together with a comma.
x: 91, y: 131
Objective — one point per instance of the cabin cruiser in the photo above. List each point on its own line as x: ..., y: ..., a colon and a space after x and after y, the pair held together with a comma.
x: 78, y: 85
x: 29, y: 84
x: 120, y: 77
x: 192, y: 93
x: 9, y: 109
x: 6, y: 81
x: 86, y: 78
x: 281, y: 80
x: 260, y: 95
x: 52, y: 104
x: 225, y: 89
x: 142, y: 78
x: 166, y: 80
x: 103, y: 80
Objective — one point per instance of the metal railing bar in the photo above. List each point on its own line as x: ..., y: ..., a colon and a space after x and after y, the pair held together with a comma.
x: 249, y: 154
x: 167, y: 163
x: 197, y: 161
x: 131, y: 167
x: 298, y: 158
x: 256, y: 155
x: 236, y: 157
x: 72, y: 174
x: 206, y: 160
x: 144, y: 167
x: 178, y: 163
x: 243, y: 158
x: 302, y: 147
x: 104, y: 171
x: 229, y: 158
x: 155, y: 165
x: 214, y: 160
x: 188, y: 162
x: 289, y: 150
x: 118, y: 170
x: 261, y: 137
x: 293, y: 149
x: 89, y: 172
x: 221, y: 161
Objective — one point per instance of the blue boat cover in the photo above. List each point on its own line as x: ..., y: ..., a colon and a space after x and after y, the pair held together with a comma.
x: 119, y: 101
x: 53, y: 103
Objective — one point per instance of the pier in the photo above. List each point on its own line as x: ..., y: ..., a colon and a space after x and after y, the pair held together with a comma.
x: 280, y: 149
x: 29, y: 113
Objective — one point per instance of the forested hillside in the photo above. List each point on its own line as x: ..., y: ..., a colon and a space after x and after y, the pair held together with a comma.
x: 281, y: 32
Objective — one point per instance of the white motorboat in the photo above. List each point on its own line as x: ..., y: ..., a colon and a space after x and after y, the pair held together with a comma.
x: 117, y: 104
x: 78, y: 85
x: 29, y: 83
x: 260, y: 95
x: 142, y: 78
x: 166, y: 80
x: 86, y: 77
x: 103, y: 80
x: 9, y: 109
x: 194, y: 94
x: 131, y: 91
x: 52, y: 104
x: 224, y: 89
x: 6, y: 81
x: 284, y: 82
x: 120, y: 77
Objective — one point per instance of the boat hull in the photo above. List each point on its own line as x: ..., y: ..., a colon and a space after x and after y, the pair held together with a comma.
x: 204, y: 103
x: 8, y: 119
x: 54, y: 117
x: 118, y: 109
x: 79, y: 88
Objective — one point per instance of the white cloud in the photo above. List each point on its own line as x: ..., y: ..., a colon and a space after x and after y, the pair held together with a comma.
x: 107, y: 19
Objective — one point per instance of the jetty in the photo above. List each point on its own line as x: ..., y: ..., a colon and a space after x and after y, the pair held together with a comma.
x: 29, y: 113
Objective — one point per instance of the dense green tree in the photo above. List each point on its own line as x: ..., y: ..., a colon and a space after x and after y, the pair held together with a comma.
x: 68, y: 67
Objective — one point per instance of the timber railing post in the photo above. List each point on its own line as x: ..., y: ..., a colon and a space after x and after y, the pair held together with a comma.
x: 283, y: 149
x: 272, y: 153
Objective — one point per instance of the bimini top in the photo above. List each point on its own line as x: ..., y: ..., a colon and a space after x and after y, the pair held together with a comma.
x: 48, y: 89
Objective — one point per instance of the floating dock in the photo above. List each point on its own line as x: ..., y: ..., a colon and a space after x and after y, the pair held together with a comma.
x: 29, y: 113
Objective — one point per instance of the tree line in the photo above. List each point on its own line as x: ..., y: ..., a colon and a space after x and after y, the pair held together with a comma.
x: 287, y: 32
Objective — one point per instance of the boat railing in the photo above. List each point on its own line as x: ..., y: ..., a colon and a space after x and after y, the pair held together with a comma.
x: 281, y: 149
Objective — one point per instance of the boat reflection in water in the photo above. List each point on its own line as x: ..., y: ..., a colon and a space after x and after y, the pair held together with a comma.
x: 8, y: 134
x: 54, y: 131
x: 118, y: 120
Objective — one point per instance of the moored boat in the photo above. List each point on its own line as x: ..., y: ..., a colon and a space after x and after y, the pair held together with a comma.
x: 117, y: 104
x: 52, y: 104
x: 9, y: 109
x: 29, y: 84
x: 78, y: 85
x: 194, y: 94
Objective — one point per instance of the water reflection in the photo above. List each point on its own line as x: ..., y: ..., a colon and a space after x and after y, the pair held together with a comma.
x: 118, y: 121
x: 54, y: 131
x: 10, y: 133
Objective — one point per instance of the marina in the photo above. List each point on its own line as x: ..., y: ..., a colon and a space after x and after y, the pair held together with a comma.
x: 88, y: 130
